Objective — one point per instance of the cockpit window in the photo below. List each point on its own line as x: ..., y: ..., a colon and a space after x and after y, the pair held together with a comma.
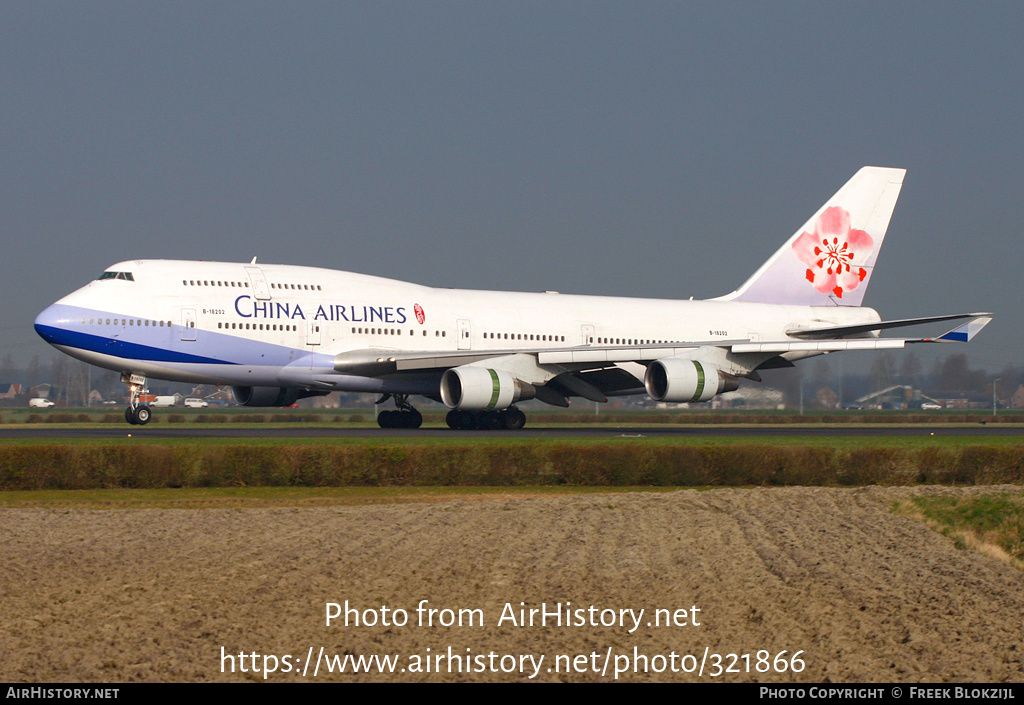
x: 117, y: 275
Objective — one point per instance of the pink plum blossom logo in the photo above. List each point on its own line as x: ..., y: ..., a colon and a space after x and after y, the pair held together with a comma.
x: 830, y: 253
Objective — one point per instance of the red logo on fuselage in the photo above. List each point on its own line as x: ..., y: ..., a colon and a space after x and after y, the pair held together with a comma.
x: 420, y: 316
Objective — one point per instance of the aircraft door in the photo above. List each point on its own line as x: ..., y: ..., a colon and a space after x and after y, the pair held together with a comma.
x: 313, y: 333
x: 188, y: 324
x: 587, y: 331
x: 465, y: 341
x: 258, y: 281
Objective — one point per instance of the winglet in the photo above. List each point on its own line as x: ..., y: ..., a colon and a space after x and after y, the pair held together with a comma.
x: 966, y: 332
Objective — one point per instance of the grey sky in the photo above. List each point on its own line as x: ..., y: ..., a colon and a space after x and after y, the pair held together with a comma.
x: 653, y: 149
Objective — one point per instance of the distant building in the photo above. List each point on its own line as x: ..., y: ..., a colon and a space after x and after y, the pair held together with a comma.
x: 1017, y: 400
x: 9, y: 391
x: 750, y: 397
x: 41, y: 391
x: 898, y: 396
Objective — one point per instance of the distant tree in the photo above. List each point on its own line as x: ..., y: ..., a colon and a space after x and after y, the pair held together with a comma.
x: 8, y: 371
x: 78, y: 383
x: 935, y: 374
x: 59, y: 376
x: 883, y: 371
x: 822, y: 373
x: 910, y: 370
x: 34, y: 373
x: 787, y: 380
x: 1012, y: 377
x: 827, y: 399
x: 822, y: 385
x: 955, y: 374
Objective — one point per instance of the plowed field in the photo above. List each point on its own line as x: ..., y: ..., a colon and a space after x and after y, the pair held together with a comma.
x: 168, y: 595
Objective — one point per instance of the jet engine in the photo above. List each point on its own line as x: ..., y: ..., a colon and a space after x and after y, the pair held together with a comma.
x: 679, y: 380
x: 480, y: 389
x: 271, y: 396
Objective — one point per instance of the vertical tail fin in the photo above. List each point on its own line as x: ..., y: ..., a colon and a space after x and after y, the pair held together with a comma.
x: 828, y: 262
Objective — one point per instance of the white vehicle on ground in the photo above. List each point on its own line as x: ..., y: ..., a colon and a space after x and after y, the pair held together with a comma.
x: 40, y: 403
x: 194, y: 403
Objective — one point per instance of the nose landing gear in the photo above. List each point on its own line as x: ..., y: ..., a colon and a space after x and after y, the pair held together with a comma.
x: 137, y: 413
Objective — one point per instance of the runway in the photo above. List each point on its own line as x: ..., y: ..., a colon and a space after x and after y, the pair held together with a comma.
x: 166, y: 431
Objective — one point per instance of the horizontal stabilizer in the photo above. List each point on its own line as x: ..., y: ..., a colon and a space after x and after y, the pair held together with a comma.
x: 840, y: 331
x: 960, y: 334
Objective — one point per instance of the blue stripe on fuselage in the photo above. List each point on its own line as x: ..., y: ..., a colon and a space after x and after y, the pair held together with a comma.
x: 119, y: 348
x: 63, y: 325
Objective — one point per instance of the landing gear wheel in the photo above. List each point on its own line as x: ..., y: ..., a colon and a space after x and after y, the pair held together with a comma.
x: 413, y: 419
x: 452, y: 419
x: 514, y: 419
x: 384, y: 419
x: 138, y: 415
x: 467, y: 420
x: 489, y: 421
x: 511, y: 419
x: 406, y: 418
x: 461, y: 420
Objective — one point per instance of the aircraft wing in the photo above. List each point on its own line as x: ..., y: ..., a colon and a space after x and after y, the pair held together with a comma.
x: 596, y: 356
x: 382, y: 361
x: 597, y: 371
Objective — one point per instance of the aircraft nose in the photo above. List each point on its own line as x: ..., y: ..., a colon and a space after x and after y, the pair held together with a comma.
x: 51, y: 324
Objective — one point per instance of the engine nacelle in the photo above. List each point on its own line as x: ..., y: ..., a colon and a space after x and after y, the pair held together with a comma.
x: 480, y: 389
x: 678, y: 380
x: 271, y: 396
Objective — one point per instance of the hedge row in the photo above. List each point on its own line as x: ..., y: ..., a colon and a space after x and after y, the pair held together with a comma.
x: 156, y: 466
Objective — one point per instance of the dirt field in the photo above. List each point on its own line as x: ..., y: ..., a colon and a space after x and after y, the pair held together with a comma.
x: 154, y: 595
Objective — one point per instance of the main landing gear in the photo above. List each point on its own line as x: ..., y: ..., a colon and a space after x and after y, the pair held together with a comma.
x: 510, y: 419
x: 405, y: 416
x: 137, y: 413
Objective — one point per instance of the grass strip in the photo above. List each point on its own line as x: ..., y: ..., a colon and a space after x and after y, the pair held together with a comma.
x: 990, y: 524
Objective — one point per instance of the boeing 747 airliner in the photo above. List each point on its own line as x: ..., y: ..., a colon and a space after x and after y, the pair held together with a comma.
x: 278, y: 333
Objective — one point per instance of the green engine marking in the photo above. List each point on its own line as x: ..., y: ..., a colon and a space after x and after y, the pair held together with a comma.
x: 495, y: 389
x: 700, y: 381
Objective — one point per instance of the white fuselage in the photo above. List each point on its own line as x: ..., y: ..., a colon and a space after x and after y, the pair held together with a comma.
x: 283, y: 325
